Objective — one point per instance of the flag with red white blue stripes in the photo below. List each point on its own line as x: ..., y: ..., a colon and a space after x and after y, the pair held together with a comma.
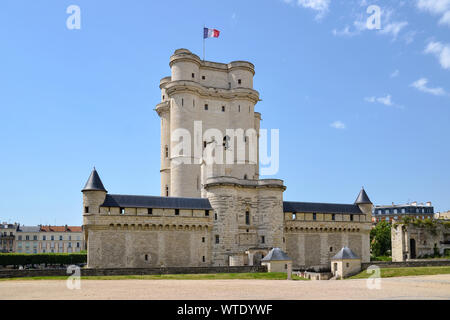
x: 210, y: 33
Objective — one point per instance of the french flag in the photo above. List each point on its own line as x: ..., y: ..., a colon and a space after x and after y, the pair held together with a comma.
x: 210, y: 33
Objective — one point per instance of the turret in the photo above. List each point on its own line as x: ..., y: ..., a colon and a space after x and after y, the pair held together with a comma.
x: 364, y: 204
x: 94, y: 194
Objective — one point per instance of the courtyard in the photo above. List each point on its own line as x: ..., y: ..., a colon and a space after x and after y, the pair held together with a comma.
x: 415, y: 287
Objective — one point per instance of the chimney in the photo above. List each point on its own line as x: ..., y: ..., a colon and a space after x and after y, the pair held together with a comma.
x: 414, y: 203
x: 65, y: 227
x: 429, y: 204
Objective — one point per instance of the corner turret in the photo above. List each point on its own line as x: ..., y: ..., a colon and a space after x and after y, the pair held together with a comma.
x: 364, y: 204
x: 94, y: 194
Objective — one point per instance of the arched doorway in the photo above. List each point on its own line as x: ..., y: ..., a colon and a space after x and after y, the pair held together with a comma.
x: 412, y: 248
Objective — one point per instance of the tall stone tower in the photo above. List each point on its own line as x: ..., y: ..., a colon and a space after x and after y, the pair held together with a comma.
x: 205, y: 100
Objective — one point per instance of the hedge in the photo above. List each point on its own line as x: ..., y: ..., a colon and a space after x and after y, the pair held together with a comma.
x: 21, y: 259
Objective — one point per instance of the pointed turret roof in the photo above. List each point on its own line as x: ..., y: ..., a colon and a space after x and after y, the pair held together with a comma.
x: 276, y: 254
x: 363, y: 198
x: 344, y: 254
x: 94, y: 183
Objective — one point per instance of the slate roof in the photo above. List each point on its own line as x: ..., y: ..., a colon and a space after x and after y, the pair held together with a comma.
x: 363, y: 198
x: 311, y: 207
x: 276, y: 254
x: 61, y: 229
x: 94, y: 183
x: 28, y: 229
x: 345, y: 253
x: 129, y: 201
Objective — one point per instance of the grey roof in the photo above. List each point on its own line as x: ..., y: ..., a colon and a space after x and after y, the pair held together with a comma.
x: 363, y: 198
x: 345, y: 253
x: 309, y: 207
x: 127, y: 201
x: 276, y: 254
x: 94, y: 182
x: 28, y: 229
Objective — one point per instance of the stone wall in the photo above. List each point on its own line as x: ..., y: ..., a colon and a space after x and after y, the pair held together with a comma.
x: 410, y: 241
x: 314, y: 244
x: 408, y: 264
x: 131, y: 271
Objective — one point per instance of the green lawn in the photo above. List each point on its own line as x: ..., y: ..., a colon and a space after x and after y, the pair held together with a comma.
x: 404, y: 272
x: 212, y: 276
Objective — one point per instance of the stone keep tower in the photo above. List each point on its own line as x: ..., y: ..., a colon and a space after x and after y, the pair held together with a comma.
x: 199, y: 96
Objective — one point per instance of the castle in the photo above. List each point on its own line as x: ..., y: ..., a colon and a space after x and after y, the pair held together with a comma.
x: 214, y: 210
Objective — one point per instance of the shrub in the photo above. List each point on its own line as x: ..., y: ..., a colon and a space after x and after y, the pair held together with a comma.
x: 20, y: 259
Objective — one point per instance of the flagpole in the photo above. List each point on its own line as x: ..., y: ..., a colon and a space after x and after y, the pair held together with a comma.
x: 204, y: 42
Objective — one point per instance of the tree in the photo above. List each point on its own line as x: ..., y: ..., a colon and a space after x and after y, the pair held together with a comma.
x: 380, y: 239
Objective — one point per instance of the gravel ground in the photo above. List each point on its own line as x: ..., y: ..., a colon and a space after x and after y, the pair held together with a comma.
x: 420, y: 287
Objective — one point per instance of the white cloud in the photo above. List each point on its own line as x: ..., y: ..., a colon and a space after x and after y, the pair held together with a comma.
x: 394, y: 28
x: 421, y: 85
x: 434, y: 6
x: 346, y: 32
x: 437, y: 7
x: 321, y: 6
x: 441, y: 51
x: 338, y: 125
x: 445, y: 19
x: 387, y: 101
x: 395, y: 74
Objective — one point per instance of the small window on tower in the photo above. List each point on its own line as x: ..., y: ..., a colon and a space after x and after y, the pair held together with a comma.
x: 223, y: 108
x: 203, y: 77
x: 177, y: 212
x: 204, y: 144
x: 239, y: 81
x: 247, y: 217
x: 193, y: 75
x: 182, y: 102
x: 263, y: 239
x: 206, y: 107
x: 167, y: 191
x: 86, y: 209
x: 217, y: 238
x: 166, y: 151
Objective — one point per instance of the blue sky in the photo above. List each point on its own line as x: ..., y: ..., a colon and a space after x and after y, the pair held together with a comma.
x: 355, y: 107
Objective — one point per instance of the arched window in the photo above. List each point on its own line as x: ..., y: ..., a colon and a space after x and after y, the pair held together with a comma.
x: 247, y: 217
